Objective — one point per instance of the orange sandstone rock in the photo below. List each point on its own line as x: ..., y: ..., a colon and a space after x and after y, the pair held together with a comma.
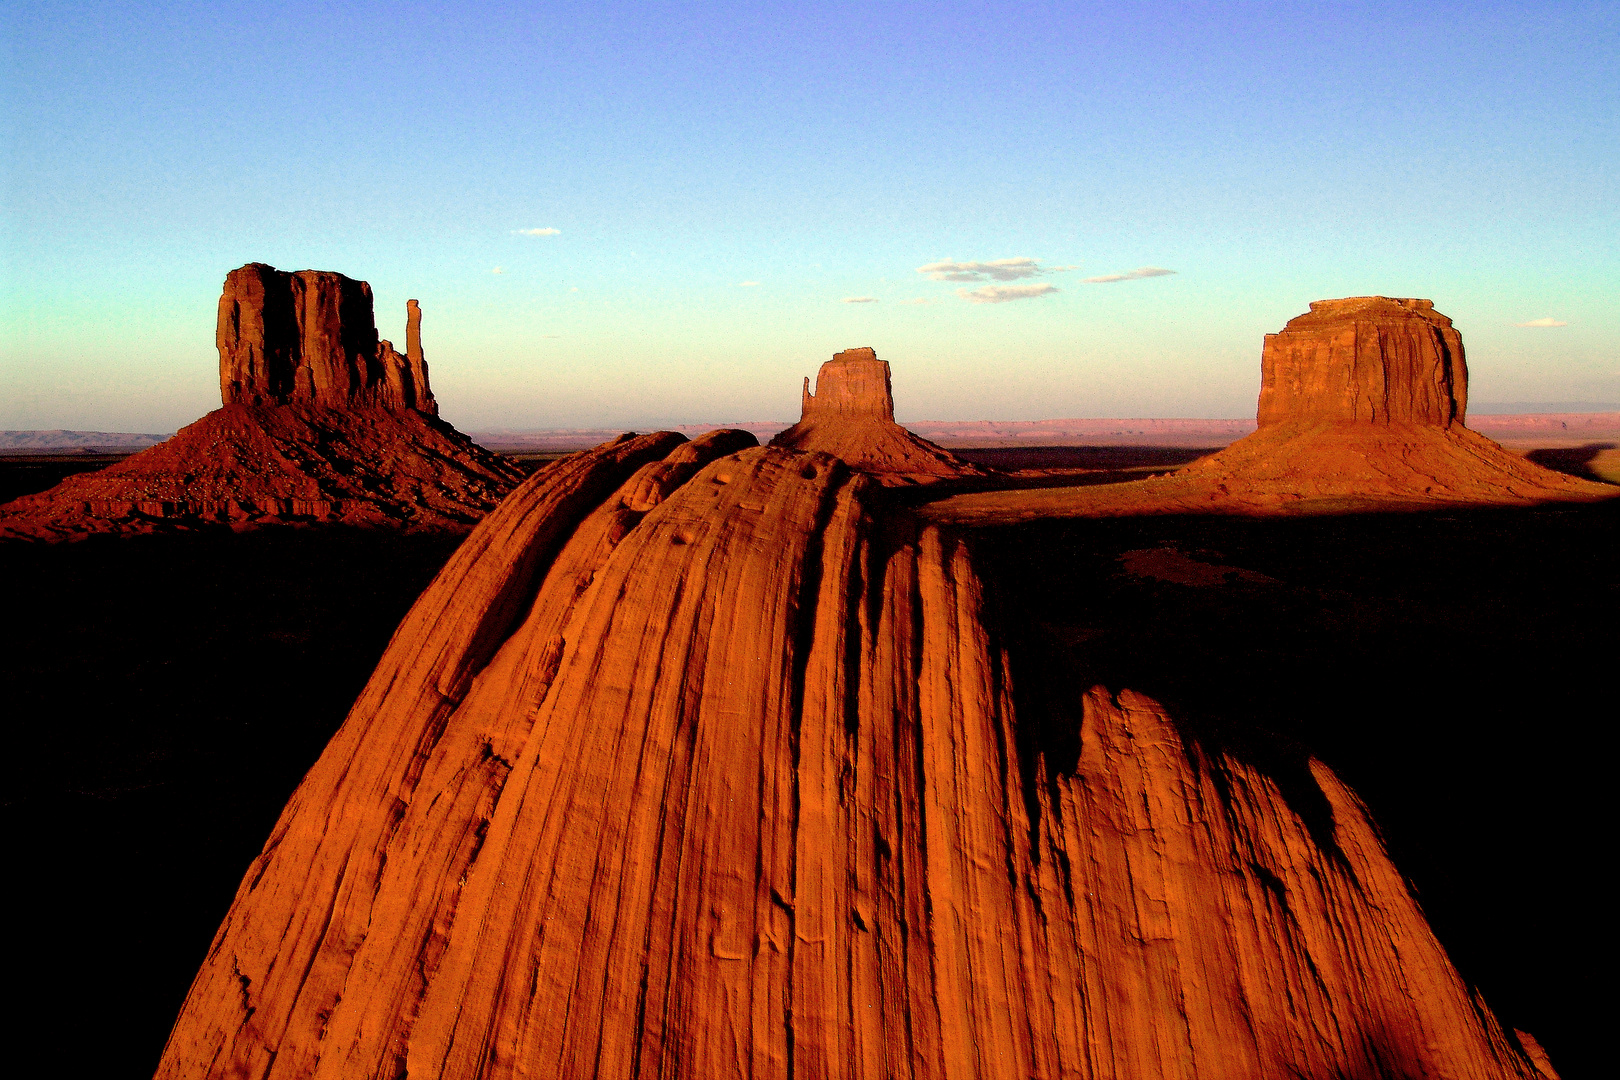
x: 851, y: 416
x: 698, y: 760
x: 1361, y: 408
x: 321, y: 422
x: 1365, y: 358
x: 311, y: 337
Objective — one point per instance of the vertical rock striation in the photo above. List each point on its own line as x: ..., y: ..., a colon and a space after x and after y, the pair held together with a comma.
x: 851, y: 416
x: 700, y: 760
x: 1365, y: 358
x: 311, y: 337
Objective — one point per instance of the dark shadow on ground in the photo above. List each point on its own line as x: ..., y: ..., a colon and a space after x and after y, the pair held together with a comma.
x: 164, y: 695
x: 1455, y: 668
x: 25, y: 474
x: 1008, y: 458
x: 1574, y: 460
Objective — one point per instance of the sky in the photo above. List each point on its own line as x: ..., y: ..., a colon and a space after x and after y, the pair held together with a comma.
x: 628, y: 215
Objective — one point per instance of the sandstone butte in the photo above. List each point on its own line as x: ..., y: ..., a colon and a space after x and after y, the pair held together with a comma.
x: 1362, y: 408
x: 702, y: 759
x: 321, y: 421
x: 851, y: 416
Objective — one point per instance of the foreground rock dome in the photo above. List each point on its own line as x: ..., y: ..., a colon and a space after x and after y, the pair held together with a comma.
x: 704, y: 759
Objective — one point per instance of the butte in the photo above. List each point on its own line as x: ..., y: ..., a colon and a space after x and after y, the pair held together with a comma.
x: 851, y: 417
x: 1362, y: 408
x: 321, y: 422
x: 708, y: 760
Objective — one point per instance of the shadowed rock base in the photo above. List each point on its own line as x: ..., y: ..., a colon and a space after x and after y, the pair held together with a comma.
x: 694, y: 763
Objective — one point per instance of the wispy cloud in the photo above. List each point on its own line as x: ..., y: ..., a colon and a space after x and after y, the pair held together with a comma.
x: 748, y: 284
x: 539, y: 232
x: 1130, y: 275
x: 1549, y: 321
x: 859, y: 300
x: 499, y: 270
x: 1000, y: 294
x: 1015, y: 269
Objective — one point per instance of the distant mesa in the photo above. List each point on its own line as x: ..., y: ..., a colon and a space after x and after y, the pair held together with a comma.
x: 311, y: 337
x: 1362, y: 407
x: 851, y: 416
x: 322, y: 422
x: 1365, y: 358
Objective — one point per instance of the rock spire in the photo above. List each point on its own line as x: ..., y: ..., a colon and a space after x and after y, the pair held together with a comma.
x: 851, y: 416
x: 1371, y: 359
x: 310, y: 336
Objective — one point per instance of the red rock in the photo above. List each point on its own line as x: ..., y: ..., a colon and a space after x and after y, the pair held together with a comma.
x: 704, y: 761
x: 321, y: 422
x: 851, y: 416
x: 311, y: 337
x: 1361, y: 408
x: 1366, y: 358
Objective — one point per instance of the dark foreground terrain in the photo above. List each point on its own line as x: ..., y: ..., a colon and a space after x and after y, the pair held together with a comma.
x: 166, y: 693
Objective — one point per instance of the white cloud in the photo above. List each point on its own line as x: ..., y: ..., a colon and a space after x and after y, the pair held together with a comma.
x: 1000, y: 294
x: 539, y: 232
x: 748, y: 284
x: 1130, y: 275
x: 498, y: 270
x: 859, y: 300
x: 1549, y: 321
x: 994, y: 270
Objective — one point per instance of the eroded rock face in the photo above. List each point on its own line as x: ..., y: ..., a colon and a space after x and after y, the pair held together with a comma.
x: 321, y: 422
x: 697, y: 762
x: 1365, y: 358
x: 851, y: 416
x: 311, y: 337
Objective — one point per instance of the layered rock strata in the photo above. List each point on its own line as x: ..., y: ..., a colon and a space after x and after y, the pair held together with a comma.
x: 1362, y: 403
x: 322, y: 422
x: 1365, y: 358
x: 311, y: 337
x: 851, y: 416
x: 699, y: 760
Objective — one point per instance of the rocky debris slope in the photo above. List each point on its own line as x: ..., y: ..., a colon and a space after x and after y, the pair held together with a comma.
x: 851, y: 416
x: 699, y: 759
x: 321, y: 422
x: 1362, y: 403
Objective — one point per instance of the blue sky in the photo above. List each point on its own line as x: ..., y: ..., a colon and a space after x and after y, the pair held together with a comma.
x: 1268, y: 155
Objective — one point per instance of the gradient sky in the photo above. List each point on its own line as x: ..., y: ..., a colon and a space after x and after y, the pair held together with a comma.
x: 721, y: 179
